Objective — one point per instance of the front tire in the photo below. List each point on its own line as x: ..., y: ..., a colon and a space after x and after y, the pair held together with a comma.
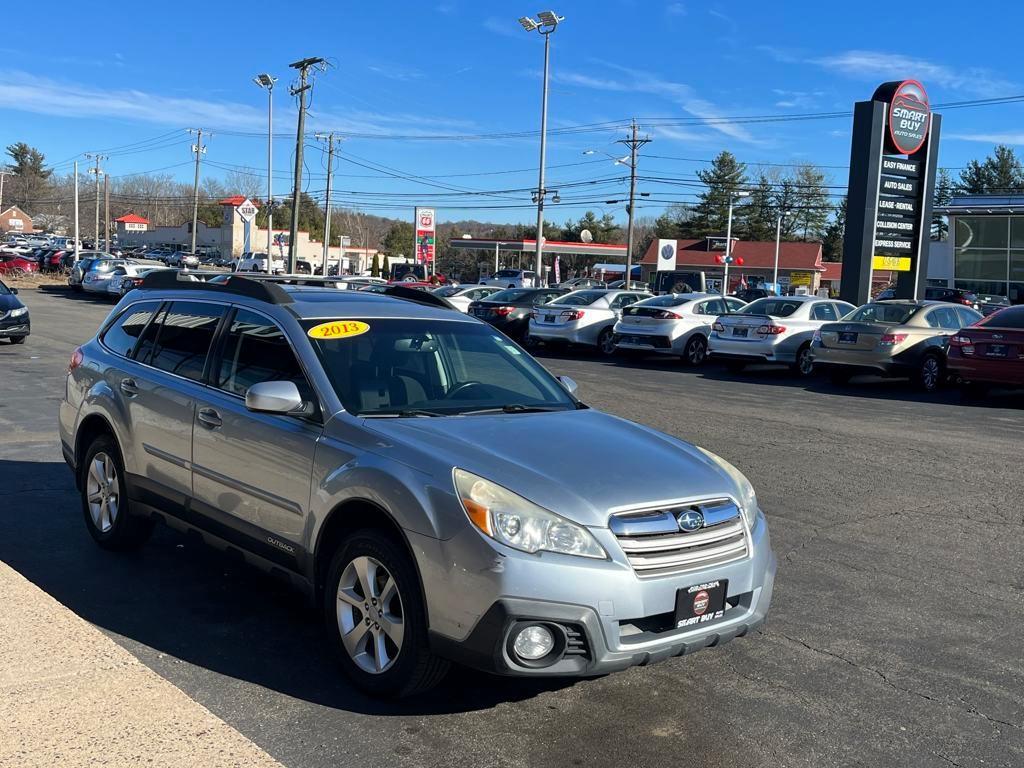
x: 105, y: 503
x: 375, y: 618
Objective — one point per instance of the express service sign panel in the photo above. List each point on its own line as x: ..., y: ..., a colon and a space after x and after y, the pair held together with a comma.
x: 425, y: 224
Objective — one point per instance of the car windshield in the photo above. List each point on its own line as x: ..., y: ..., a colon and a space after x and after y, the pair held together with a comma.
x: 895, y: 314
x: 507, y: 273
x: 402, y: 367
x: 772, y: 307
x: 580, y: 298
x: 510, y: 295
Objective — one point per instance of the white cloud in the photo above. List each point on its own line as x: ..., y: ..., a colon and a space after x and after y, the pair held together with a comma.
x: 988, y: 138
x: 395, y: 71
x: 879, y: 65
x: 504, y: 27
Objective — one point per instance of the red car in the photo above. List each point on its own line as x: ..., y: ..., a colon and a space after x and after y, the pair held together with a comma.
x: 13, y: 263
x: 991, y: 351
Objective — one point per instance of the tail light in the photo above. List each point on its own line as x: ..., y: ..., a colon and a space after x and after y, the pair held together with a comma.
x: 572, y: 314
x: 717, y: 326
x: 503, y: 311
x: 892, y: 339
x: 964, y: 343
x: 76, y: 359
x: 664, y: 314
x: 771, y: 329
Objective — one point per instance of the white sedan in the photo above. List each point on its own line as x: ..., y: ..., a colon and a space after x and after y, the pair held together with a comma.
x: 126, y: 277
x: 673, y: 324
x: 777, y: 329
x: 582, y: 317
x: 461, y: 296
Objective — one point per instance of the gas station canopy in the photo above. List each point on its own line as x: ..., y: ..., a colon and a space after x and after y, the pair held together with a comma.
x: 550, y: 247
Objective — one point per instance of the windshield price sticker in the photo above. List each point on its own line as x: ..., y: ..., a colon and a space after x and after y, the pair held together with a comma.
x: 338, y: 329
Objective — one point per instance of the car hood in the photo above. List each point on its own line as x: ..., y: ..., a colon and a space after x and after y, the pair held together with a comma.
x: 9, y: 302
x: 580, y: 464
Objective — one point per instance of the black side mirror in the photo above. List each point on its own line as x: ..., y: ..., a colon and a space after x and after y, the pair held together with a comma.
x: 14, y: 291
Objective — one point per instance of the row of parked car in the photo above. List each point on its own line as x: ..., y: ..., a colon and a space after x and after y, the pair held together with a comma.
x: 928, y: 341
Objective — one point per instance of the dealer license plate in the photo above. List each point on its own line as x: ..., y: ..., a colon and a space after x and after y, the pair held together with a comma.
x: 701, y: 603
x: 847, y: 337
x: 737, y: 331
x: 996, y: 350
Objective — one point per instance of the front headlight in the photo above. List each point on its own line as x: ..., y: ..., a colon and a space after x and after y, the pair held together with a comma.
x: 19, y: 312
x: 509, y: 518
x: 747, y: 497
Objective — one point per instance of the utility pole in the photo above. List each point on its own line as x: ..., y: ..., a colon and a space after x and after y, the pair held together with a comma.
x: 2, y: 174
x: 200, y: 150
x: 634, y: 143
x: 327, y: 221
x: 299, y: 90
x: 76, y: 212
x: 96, y: 172
x: 106, y: 212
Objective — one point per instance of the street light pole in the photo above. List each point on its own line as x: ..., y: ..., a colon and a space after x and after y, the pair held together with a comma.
x: 547, y: 22
x: 327, y: 219
x: 267, y: 81
x: 496, y: 247
x: 733, y: 196
x: 778, y: 238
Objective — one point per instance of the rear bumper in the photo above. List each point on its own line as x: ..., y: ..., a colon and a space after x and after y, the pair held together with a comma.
x: 989, y: 371
x: 572, y: 334
x: 863, y: 360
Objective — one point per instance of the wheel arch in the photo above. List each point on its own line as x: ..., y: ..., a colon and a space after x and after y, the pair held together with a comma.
x: 93, y: 426
x: 346, y: 518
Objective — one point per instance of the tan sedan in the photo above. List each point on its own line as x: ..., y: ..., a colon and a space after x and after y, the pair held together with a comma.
x: 892, y: 338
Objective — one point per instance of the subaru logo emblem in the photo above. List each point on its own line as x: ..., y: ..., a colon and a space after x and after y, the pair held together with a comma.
x: 691, y: 520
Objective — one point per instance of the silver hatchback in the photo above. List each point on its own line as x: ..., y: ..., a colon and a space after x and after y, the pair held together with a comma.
x: 425, y: 480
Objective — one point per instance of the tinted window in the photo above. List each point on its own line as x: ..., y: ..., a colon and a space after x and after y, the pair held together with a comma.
x: 734, y: 305
x: 543, y: 297
x: 507, y: 273
x: 121, y: 337
x: 256, y: 350
x: 824, y: 312
x: 581, y: 298
x: 1006, y: 318
x: 944, y: 317
x: 510, y: 295
x: 712, y: 307
x: 624, y: 299
x: 184, y: 337
x: 4, y: 290
x: 772, y: 307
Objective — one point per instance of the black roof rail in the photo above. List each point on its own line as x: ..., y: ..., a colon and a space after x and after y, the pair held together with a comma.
x: 318, y: 281
x: 420, y: 297
x: 168, y: 280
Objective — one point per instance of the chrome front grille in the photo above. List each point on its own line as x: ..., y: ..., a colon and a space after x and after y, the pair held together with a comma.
x: 656, y: 545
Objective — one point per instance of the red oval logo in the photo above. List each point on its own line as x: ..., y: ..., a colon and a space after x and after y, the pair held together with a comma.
x: 909, y: 117
x: 700, y: 602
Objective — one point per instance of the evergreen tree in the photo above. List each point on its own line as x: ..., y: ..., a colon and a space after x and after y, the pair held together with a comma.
x: 811, y: 209
x: 722, y: 180
x: 785, y: 203
x: 30, y: 181
x: 761, y: 212
x: 973, y: 179
x: 386, y: 268
x: 1001, y: 173
x: 399, y: 240
x: 944, y: 189
x: 832, y: 243
x: 375, y: 267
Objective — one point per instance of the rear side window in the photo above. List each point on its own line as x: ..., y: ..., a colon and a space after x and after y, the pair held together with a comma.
x: 183, y: 339
x: 824, y: 312
x: 944, y: 317
x: 256, y: 350
x: 968, y: 316
x: 121, y: 337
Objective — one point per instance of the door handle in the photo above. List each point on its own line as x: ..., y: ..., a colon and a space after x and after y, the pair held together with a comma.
x: 129, y: 387
x: 209, y: 418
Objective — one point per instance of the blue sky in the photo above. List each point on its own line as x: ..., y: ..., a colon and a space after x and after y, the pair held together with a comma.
x: 462, y: 67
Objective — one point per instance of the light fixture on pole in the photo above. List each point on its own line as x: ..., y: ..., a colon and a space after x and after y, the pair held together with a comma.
x: 733, y: 197
x: 546, y: 23
x: 778, y: 238
x: 267, y: 81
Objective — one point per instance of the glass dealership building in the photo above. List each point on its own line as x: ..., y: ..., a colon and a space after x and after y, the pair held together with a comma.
x: 984, y: 249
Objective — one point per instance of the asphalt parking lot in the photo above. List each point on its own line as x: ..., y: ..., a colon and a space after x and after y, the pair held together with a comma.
x: 895, y: 637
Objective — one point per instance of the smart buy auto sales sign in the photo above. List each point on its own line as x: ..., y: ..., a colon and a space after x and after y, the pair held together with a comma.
x: 909, y: 115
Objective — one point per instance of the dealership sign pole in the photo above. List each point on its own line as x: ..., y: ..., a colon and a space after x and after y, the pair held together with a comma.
x: 892, y: 178
x: 424, y: 223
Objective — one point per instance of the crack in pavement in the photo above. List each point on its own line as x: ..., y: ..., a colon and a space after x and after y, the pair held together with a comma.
x: 881, y: 675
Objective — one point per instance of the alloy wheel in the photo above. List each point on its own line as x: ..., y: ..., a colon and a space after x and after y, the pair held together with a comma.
x: 103, y: 492
x: 930, y: 373
x: 371, y: 618
x: 695, y: 352
x: 606, y: 342
x: 805, y: 362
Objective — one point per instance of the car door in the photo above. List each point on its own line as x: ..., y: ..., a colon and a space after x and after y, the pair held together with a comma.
x: 160, y: 393
x: 251, y: 471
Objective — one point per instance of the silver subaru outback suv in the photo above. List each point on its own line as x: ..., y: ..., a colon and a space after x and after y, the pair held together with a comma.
x: 419, y: 475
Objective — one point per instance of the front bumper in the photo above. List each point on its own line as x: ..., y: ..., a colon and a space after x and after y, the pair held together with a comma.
x: 15, y: 327
x: 614, y: 618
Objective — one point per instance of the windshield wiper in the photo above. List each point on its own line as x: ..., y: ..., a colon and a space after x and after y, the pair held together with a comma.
x: 515, y: 408
x: 407, y: 413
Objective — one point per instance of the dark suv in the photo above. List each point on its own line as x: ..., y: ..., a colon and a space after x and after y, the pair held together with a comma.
x: 509, y: 310
x: 954, y: 296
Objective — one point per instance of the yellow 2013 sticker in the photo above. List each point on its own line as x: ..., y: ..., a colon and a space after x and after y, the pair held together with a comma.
x: 338, y: 329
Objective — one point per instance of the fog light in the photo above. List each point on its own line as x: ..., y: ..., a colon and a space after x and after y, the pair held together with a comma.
x: 534, y: 642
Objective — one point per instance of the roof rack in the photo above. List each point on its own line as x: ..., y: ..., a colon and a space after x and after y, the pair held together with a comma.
x: 318, y: 281
x: 169, y: 280
x: 420, y: 297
